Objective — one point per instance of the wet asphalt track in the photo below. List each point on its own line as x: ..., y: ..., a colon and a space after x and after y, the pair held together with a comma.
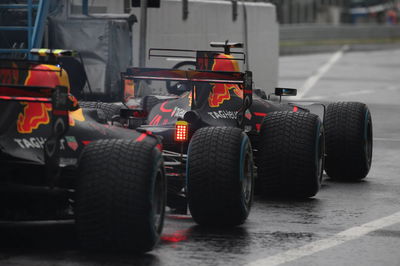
x: 334, y: 228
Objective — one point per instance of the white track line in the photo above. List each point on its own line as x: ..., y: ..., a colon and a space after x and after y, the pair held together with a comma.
x: 311, y: 81
x: 317, y: 246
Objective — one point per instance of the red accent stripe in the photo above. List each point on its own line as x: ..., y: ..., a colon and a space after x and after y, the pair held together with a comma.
x: 141, y: 137
x: 260, y: 114
x: 28, y: 99
x: 248, y: 91
x: 258, y: 127
x: 295, y: 109
x: 86, y: 142
x: 155, y: 121
x: 163, y: 109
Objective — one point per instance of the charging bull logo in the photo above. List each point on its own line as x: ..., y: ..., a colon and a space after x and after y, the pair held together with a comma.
x: 221, y: 92
x: 35, y: 114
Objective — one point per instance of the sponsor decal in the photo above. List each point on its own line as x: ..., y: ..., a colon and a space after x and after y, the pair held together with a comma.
x: 221, y: 92
x: 248, y: 114
x: 72, y: 143
x: 178, y: 112
x: 35, y: 143
x: 33, y: 115
x: 36, y: 114
x: 156, y: 120
x: 163, y: 109
x: 224, y: 114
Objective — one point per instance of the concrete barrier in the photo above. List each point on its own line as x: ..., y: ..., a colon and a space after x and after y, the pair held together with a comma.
x: 319, y: 38
x: 210, y: 20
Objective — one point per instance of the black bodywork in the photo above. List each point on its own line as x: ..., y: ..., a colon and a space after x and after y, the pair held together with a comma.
x: 42, y: 134
x: 218, y: 98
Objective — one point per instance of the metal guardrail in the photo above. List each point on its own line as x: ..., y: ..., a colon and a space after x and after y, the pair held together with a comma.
x: 306, y: 38
x: 35, y: 24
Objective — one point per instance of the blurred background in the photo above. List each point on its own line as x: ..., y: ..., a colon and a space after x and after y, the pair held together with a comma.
x: 112, y: 35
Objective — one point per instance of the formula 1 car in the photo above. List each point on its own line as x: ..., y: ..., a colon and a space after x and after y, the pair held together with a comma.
x: 218, y: 123
x: 61, y: 161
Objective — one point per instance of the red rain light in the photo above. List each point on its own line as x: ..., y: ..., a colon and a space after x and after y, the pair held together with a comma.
x: 181, y: 131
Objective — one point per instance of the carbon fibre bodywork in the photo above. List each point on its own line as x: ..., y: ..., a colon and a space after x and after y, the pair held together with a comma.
x: 216, y: 94
x: 40, y: 142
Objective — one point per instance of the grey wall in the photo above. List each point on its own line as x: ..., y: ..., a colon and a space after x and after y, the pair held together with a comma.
x: 212, y: 21
x: 323, y: 38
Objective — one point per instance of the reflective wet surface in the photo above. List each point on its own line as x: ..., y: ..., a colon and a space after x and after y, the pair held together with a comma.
x: 275, y: 225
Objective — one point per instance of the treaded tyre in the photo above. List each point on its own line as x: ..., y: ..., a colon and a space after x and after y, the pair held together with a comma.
x: 291, y: 154
x: 349, y: 140
x: 149, y: 101
x: 109, y: 109
x: 220, y: 180
x: 120, y: 196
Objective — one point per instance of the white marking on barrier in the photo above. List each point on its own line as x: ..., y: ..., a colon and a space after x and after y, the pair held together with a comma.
x: 387, y: 139
x: 312, y: 80
x: 340, y: 95
x: 317, y: 246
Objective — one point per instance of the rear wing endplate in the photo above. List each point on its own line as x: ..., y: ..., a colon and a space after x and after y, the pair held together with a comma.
x: 59, y: 99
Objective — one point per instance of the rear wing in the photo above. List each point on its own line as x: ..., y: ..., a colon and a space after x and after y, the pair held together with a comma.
x: 58, y: 97
x: 243, y: 79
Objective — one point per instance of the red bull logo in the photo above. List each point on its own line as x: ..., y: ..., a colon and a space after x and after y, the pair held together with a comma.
x: 221, y: 92
x: 35, y: 114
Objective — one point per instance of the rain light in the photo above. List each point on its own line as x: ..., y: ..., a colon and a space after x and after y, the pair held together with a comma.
x: 181, y: 131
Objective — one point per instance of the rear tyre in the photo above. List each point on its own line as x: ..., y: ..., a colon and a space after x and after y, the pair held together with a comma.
x: 149, y: 101
x: 120, y: 196
x: 109, y: 109
x: 220, y: 178
x: 348, y: 140
x: 291, y: 154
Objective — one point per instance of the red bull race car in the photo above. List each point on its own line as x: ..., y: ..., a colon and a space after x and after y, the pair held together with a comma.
x: 222, y: 138
x: 62, y: 161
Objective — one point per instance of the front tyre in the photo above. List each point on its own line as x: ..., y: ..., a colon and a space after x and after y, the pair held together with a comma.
x: 120, y: 196
x: 220, y: 178
x: 348, y: 140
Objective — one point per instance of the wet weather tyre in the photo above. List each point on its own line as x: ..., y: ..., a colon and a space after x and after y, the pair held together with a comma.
x: 109, y: 109
x: 291, y: 154
x: 349, y: 140
x: 220, y: 180
x: 149, y: 101
x: 120, y: 196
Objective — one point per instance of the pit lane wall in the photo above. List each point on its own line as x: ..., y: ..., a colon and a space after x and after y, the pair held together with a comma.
x: 210, y: 20
x: 314, y: 38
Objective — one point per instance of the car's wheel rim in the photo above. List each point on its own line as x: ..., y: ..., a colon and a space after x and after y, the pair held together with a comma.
x: 368, y: 141
x: 158, y: 202
x: 247, y: 182
x: 319, y: 154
